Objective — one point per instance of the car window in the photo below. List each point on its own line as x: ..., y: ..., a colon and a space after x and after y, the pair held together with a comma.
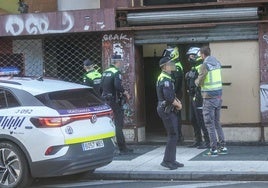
x: 3, y: 101
x: 70, y: 99
x: 7, y: 99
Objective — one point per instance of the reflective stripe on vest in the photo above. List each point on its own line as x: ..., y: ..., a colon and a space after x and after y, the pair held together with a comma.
x: 111, y: 69
x: 197, y: 68
x: 93, y: 75
x: 212, y: 81
x: 162, y: 76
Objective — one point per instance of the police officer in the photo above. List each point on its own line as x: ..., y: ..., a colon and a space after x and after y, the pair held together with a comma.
x: 167, y: 108
x: 177, y: 75
x: 92, y: 77
x: 196, y: 100
x: 113, y: 93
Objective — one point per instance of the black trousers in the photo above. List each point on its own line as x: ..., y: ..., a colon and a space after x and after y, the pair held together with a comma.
x: 198, y: 122
x: 179, y: 126
x: 119, y: 123
x: 170, y: 121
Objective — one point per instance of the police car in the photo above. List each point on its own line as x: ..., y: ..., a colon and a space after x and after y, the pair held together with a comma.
x: 50, y: 128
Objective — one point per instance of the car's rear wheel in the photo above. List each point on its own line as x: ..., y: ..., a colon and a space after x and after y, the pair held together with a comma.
x: 14, y: 171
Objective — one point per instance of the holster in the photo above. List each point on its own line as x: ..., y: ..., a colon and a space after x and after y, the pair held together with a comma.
x: 169, y: 108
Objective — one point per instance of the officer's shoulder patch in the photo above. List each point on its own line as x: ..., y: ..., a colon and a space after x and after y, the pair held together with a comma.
x: 120, y: 76
x: 166, y: 83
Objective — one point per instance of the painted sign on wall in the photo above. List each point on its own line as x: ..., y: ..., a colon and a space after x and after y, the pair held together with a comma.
x: 57, y: 22
x: 36, y: 24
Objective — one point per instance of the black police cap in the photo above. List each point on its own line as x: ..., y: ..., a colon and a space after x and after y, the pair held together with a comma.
x: 164, y: 60
x: 87, y: 62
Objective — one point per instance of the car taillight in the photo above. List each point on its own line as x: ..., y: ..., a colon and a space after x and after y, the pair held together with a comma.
x: 46, y: 122
x: 54, y: 122
x: 50, y: 121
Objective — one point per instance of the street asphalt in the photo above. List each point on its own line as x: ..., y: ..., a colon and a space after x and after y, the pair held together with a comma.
x: 243, y: 162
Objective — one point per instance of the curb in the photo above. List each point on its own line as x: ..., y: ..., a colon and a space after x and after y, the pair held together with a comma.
x: 170, y: 175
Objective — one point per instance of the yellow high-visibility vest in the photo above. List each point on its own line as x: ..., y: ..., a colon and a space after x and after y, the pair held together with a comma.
x: 197, y: 68
x: 212, y: 81
x: 162, y: 76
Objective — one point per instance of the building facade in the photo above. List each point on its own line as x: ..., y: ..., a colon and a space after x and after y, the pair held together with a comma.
x: 54, y: 38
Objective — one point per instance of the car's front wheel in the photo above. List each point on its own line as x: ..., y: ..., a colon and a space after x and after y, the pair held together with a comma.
x: 14, y: 171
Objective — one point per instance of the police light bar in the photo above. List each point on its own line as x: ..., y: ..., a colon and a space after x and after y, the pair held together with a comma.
x: 9, y: 71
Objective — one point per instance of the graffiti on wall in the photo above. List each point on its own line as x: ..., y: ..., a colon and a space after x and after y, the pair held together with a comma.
x: 36, y: 24
x: 264, y: 75
x: 57, y: 22
x: 265, y: 38
x: 120, y: 44
x: 115, y: 37
x: 264, y: 101
x: 118, y: 49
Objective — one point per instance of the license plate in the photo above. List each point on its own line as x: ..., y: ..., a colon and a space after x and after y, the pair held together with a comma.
x: 92, y: 145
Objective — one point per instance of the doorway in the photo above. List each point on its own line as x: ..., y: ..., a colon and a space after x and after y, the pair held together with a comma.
x: 151, y: 72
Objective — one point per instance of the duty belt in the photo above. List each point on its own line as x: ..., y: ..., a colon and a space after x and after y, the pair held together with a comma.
x: 167, y: 107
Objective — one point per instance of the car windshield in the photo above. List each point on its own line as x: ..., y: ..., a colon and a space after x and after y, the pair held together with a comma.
x: 70, y: 99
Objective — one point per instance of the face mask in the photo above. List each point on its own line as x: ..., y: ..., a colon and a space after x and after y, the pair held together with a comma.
x: 171, y: 66
x: 192, y: 60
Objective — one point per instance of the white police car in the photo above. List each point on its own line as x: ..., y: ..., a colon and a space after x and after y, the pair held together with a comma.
x: 51, y: 128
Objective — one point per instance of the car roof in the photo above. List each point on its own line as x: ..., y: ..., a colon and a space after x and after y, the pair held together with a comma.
x: 37, y: 86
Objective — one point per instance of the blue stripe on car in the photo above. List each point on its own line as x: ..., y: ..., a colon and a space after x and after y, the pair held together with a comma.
x: 11, y: 122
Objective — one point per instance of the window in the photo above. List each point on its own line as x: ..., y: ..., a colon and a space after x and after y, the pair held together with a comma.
x: 3, y: 101
x: 71, y: 99
x: 7, y: 99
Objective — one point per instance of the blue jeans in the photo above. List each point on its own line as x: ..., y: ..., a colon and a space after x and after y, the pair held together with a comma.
x: 211, y: 114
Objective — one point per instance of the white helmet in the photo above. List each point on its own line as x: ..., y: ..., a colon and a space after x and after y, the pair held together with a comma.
x: 194, y: 55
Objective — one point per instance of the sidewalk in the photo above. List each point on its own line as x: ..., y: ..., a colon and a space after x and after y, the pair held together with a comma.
x: 241, y: 163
